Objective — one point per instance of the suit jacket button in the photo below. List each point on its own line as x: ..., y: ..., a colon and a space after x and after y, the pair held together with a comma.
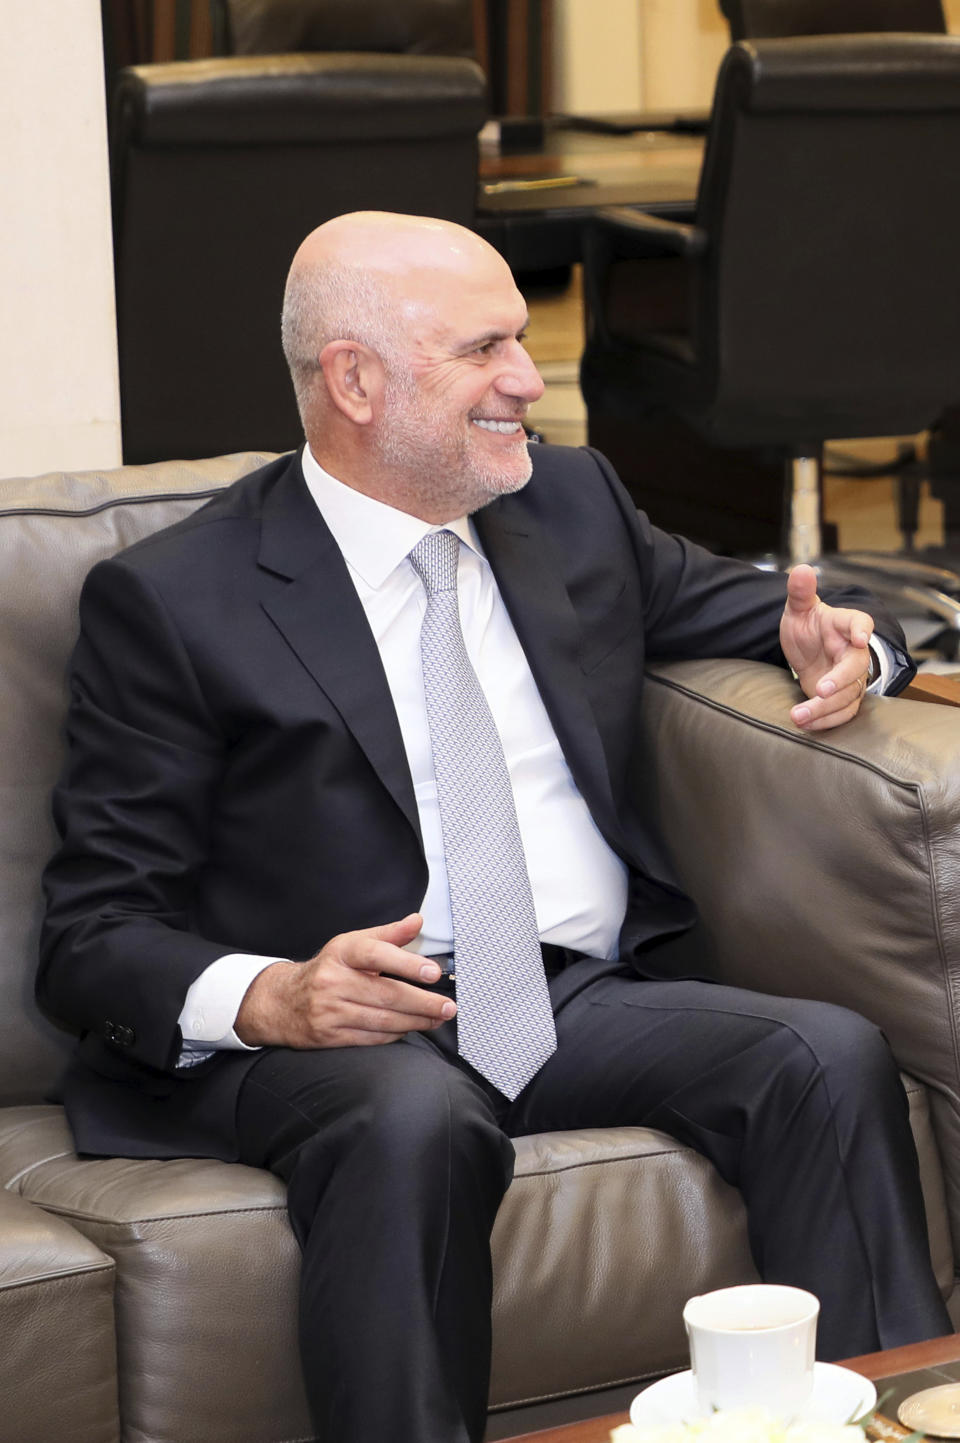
x: 110, y: 1031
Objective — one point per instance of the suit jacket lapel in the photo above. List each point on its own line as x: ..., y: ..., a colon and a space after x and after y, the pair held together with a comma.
x: 529, y: 575
x: 319, y: 614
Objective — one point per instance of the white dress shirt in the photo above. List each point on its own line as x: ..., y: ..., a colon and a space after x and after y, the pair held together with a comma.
x: 579, y: 885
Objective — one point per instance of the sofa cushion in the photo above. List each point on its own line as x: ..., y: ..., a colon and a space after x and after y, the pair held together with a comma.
x: 595, y: 1226
x: 600, y: 1240
x: 207, y: 1270
x: 58, y: 1365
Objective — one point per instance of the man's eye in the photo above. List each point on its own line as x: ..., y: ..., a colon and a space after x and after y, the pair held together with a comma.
x: 486, y: 348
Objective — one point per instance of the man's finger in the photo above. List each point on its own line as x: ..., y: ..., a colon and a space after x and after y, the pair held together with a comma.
x: 830, y: 709
x: 860, y: 627
x: 824, y: 721
x: 850, y: 670
x: 381, y: 949
x: 850, y: 645
x: 856, y: 627
x: 390, y: 994
x: 388, y: 1023
x: 370, y: 1037
x: 801, y: 588
x: 398, y: 933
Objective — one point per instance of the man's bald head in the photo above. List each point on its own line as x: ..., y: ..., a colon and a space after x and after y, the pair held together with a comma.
x: 392, y: 243
x: 404, y: 336
x: 365, y: 277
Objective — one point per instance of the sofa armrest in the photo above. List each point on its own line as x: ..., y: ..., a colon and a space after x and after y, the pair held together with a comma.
x: 825, y: 866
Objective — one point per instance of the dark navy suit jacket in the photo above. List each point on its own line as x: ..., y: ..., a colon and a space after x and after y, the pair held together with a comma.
x: 237, y: 779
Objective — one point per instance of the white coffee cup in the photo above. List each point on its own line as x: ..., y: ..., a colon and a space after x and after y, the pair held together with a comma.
x: 753, y: 1346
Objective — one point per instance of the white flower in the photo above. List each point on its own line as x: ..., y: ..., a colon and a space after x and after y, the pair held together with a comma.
x: 824, y: 1433
x: 670, y: 1433
x: 742, y: 1425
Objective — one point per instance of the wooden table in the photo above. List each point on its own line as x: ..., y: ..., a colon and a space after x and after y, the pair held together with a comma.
x: 532, y: 207
x: 903, y: 1370
x: 928, y: 686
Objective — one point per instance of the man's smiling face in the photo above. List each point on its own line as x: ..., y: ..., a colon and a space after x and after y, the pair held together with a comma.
x: 455, y: 399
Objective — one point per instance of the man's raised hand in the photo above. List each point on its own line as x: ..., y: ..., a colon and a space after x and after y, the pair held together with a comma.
x: 828, y: 648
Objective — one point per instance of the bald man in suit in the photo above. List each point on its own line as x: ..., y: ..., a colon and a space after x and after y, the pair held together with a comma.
x: 250, y: 919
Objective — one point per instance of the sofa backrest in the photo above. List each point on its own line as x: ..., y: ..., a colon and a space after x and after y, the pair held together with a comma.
x: 52, y: 531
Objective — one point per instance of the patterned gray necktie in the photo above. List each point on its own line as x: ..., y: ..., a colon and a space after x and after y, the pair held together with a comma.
x: 504, y: 1019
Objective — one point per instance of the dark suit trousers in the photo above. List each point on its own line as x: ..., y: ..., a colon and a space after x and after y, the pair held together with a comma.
x: 397, y: 1157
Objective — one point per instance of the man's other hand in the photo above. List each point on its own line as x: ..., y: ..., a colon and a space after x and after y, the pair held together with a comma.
x: 351, y: 994
x: 828, y: 648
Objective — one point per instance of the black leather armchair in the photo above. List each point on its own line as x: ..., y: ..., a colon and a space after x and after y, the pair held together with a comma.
x: 813, y: 298
x: 759, y: 19
x: 220, y: 168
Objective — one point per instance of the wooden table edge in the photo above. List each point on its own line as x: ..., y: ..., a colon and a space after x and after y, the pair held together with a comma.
x: 888, y: 1364
x: 908, y: 1359
x: 931, y: 687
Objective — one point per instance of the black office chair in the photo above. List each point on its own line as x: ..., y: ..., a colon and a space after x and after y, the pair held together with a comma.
x: 814, y: 297
x: 220, y: 168
x: 769, y: 19
x: 759, y: 19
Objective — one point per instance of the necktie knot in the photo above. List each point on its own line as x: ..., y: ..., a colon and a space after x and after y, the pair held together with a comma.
x: 435, y: 559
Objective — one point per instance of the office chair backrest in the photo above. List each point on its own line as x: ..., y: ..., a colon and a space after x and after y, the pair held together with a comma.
x: 414, y: 27
x: 758, y: 19
x: 220, y: 168
x: 833, y: 224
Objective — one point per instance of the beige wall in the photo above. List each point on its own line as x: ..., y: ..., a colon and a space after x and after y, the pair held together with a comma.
x: 637, y: 54
x: 683, y: 42
x: 645, y: 54
x: 597, y: 55
x: 59, y: 403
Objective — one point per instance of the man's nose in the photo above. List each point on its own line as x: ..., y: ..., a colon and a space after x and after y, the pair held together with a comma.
x: 520, y: 376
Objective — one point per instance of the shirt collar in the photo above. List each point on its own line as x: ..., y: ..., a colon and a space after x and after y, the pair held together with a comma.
x: 373, y: 537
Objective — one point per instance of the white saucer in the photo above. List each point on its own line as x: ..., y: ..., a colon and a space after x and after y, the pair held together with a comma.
x: 838, y: 1396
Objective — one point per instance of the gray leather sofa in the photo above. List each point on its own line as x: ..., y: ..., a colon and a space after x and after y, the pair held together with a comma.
x: 155, y: 1301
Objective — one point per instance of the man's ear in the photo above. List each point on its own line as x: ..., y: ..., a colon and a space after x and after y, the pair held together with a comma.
x: 354, y: 377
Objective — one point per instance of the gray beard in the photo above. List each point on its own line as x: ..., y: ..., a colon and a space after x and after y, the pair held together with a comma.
x: 442, y: 477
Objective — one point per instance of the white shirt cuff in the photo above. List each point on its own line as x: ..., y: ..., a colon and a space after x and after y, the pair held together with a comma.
x: 886, y: 666
x: 212, y: 1002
